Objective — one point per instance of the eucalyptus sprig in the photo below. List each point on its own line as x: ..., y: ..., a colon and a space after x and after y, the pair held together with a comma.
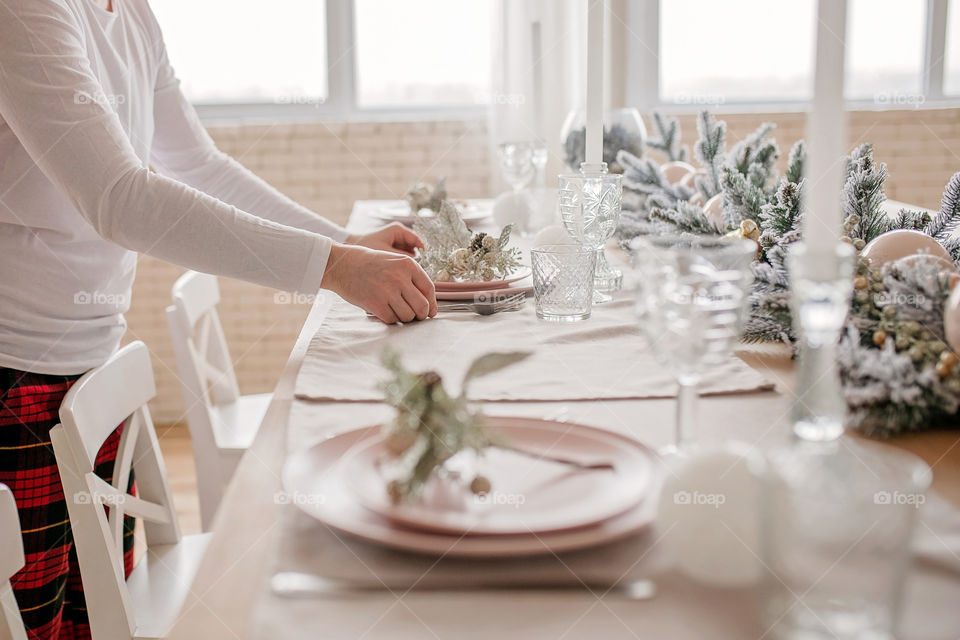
x: 431, y: 425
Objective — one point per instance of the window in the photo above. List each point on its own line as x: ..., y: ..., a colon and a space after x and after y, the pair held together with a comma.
x: 951, y: 81
x: 247, y: 52
x: 735, y: 51
x: 885, y: 50
x: 756, y: 50
x: 414, y: 53
x: 422, y: 52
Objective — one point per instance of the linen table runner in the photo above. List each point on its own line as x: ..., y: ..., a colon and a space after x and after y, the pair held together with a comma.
x: 604, y: 358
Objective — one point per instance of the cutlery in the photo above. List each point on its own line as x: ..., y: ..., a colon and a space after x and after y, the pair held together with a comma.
x: 511, y: 303
x: 297, y: 585
x: 546, y: 457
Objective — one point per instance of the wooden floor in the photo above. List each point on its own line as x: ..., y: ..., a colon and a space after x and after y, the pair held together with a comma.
x: 178, y: 456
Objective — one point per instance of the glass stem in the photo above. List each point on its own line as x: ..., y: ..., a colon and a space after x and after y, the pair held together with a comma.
x: 819, y: 411
x: 686, y: 410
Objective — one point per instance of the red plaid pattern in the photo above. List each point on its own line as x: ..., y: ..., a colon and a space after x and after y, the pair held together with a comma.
x: 48, y: 588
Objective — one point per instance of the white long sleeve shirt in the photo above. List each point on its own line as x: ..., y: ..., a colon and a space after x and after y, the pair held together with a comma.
x: 88, y: 100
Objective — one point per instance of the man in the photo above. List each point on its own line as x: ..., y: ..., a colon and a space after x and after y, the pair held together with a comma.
x: 88, y: 103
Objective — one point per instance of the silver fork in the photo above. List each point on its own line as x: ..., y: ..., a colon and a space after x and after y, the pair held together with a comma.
x: 510, y: 303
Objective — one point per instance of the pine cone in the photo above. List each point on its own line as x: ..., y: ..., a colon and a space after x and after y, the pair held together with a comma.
x: 477, y: 243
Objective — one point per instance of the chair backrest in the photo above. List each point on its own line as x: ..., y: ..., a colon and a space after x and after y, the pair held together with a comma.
x: 206, y: 377
x: 115, y: 392
x: 195, y: 299
x: 11, y: 561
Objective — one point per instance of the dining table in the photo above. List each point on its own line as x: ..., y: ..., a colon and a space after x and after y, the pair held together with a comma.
x: 259, y: 530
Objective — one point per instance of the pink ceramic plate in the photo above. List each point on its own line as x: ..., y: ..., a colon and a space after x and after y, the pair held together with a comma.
x: 528, y: 495
x: 487, y: 295
x: 484, y: 285
x: 315, y: 477
x: 400, y: 212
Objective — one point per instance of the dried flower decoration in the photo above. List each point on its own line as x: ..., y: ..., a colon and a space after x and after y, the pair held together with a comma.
x: 452, y: 253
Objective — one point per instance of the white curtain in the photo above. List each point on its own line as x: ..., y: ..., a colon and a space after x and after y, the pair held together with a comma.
x: 538, y: 68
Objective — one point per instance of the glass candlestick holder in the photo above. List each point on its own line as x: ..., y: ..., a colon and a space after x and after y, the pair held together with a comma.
x: 590, y: 209
x: 821, y: 282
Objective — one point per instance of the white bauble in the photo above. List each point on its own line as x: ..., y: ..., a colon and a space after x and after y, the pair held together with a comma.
x: 514, y: 207
x: 554, y: 234
x: 690, y: 179
x: 905, y: 243
x: 714, y: 210
x: 676, y: 171
x: 710, y: 514
x: 951, y: 319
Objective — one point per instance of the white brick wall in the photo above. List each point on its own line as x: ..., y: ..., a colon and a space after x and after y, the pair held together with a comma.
x: 326, y: 166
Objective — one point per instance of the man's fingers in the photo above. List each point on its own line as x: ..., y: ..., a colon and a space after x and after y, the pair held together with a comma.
x: 417, y: 302
x: 423, y: 282
x: 407, y: 237
x: 402, y: 310
x: 385, y: 314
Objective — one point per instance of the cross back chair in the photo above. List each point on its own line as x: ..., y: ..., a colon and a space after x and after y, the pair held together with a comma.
x: 11, y: 561
x: 222, y: 422
x: 146, y: 604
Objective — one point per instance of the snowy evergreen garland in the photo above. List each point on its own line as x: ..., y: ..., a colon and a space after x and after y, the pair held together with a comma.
x: 898, y: 374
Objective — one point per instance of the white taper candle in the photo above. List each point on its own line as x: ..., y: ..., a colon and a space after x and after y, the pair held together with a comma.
x: 826, y: 130
x: 594, y: 133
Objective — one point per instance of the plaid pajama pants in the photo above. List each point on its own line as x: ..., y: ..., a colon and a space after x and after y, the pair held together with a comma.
x: 48, y: 589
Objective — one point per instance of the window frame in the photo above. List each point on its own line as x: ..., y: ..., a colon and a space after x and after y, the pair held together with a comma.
x: 643, y: 67
x: 341, y: 101
x: 641, y: 75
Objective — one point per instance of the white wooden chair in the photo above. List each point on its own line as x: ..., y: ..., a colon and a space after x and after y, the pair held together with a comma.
x: 11, y: 561
x: 147, y: 604
x: 222, y: 423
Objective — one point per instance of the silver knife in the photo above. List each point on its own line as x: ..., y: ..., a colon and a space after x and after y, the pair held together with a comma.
x: 297, y: 585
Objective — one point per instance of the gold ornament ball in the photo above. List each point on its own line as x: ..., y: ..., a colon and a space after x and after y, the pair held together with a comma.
x: 480, y: 485
x: 860, y: 283
x: 879, y: 338
x: 949, y: 358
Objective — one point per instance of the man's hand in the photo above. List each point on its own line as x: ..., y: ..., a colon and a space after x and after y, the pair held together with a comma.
x: 392, y: 287
x: 394, y: 237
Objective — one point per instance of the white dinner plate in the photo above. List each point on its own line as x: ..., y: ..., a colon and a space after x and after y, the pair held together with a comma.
x: 315, y: 477
x: 529, y: 494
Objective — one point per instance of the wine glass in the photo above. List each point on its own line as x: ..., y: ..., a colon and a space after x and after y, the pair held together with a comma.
x: 517, y: 163
x: 691, y: 299
x: 590, y: 211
